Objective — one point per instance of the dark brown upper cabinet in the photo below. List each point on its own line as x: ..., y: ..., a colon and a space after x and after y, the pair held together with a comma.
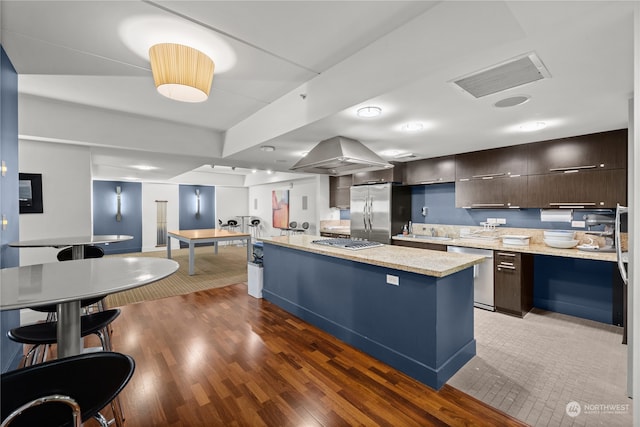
x: 394, y: 174
x: 430, y: 171
x: 340, y: 191
x: 603, y: 150
x: 492, y: 193
x: 583, y: 189
x: 496, y: 163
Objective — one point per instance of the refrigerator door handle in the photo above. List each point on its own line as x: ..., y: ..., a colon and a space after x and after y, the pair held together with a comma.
x: 623, y: 271
x: 370, y: 216
x: 364, y: 212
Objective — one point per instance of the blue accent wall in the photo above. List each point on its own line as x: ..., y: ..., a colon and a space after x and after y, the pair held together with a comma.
x: 440, y: 199
x: 104, y: 214
x: 187, y: 209
x: 577, y: 287
x: 581, y: 288
x: 9, y: 257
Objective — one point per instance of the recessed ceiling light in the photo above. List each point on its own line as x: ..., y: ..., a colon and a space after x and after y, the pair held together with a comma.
x: 254, y: 170
x: 389, y: 153
x: 532, y: 126
x: 144, y: 167
x: 268, y: 148
x: 404, y: 156
x: 412, y: 127
x: 269, y: 171
x: 369, y: 112
x: 512, y: 101
x: 304, y: 153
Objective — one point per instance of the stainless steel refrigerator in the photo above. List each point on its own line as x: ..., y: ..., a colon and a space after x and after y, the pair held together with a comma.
x: 379, y: 211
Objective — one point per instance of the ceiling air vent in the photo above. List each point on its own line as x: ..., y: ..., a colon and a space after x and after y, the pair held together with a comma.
x: 509, y: 74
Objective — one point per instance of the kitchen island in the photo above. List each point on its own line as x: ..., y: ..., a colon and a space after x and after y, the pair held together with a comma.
x: 409, y: 308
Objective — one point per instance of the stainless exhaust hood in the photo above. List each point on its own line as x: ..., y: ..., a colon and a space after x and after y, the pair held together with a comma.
x: 340, y: 156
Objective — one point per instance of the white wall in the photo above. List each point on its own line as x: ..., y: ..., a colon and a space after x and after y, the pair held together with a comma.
x: 230, y: 202
x: 260, y: 203
x: 150, y: 193
x: 66, y: 195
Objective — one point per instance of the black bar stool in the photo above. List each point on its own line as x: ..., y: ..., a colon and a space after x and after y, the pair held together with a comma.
x: 44, y: 333
x: 254, y: 227
x: 44, y: 394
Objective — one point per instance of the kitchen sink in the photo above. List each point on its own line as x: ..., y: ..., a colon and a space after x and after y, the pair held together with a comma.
x: 426, y: 237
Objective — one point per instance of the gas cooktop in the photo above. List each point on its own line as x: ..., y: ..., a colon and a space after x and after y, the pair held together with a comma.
x: 351, y: 244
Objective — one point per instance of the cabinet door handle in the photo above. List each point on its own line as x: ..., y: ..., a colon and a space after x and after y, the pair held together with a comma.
x: 488, y: 175
x: 479, y: 205
x: 506, y: 266
x: 431, y: 181
x: 506, y: 254
x: 572, y: 204
x: 504, y: 263
x: 572, y: 168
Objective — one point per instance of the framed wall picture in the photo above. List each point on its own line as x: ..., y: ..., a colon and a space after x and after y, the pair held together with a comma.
x: 30, y: 192
x: 280, y: 208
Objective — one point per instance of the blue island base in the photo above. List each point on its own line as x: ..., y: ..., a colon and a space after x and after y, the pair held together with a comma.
x: 423, y: 327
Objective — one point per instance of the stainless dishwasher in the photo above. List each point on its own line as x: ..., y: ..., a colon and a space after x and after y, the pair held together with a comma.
x: 482, y: 276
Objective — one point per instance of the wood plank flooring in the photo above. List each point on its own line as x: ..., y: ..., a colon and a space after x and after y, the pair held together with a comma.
x: 222, y: 358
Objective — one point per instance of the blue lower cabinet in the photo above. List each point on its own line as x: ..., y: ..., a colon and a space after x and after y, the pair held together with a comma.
x: 577, y: 287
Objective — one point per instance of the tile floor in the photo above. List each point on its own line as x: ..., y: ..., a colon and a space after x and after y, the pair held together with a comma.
x: 532, y: 369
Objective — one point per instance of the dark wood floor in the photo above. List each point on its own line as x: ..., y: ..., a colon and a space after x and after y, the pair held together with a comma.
x: 223, y: 358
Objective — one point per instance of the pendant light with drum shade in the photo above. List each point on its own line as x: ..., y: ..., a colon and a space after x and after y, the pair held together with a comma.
x: 180, y: 72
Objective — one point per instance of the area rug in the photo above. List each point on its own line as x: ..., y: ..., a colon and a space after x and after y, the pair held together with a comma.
x: 228, y: 267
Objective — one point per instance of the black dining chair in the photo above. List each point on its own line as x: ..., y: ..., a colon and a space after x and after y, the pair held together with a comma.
x: 58, y: 392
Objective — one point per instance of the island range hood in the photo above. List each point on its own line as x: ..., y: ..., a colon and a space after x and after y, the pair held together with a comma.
x: 340, y: 156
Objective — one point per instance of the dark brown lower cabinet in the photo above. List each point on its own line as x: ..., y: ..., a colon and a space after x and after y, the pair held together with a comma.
x: 513, y: 282
x: 335, y: 235
x: 420, y: 245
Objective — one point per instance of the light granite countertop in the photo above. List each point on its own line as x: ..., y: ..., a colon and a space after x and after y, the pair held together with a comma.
x: 532, y: 248
x: 421, y: 261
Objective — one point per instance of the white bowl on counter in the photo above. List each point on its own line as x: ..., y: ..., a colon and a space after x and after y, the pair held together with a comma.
x: 559, y: 234
x: 515, y: 240
x: 561, y: 243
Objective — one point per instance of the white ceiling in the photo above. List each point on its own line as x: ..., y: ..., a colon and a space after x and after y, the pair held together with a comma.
x: 302, y: 69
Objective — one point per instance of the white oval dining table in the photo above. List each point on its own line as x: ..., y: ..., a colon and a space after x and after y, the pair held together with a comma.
x: 76, y: 242
x: 66, y: 283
